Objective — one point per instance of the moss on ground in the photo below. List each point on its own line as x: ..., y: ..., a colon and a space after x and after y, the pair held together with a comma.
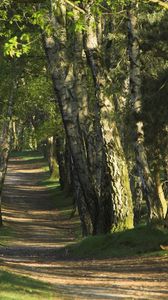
x: 142, y: 240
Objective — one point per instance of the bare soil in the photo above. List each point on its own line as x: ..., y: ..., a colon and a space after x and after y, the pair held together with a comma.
x: 38, y: 251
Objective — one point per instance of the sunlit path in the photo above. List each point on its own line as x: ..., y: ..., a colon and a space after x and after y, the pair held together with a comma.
x: 41, y: 230
x: 83, y: 149
x: 31, y: 209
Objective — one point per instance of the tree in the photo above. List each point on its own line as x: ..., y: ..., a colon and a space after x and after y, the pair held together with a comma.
x: 157, y: 207
x: 86, y: 123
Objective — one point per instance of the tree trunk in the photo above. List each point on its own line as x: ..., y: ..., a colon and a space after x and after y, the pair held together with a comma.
x: 89, y: 123
x: 115, y: 189
x: 60, y: 155
x: 155, y: 206
x: 51, y: 155
x: 79, y: 200
x: 159, y: 190
x: 5, y: 141
x: 63, y: 80
x: 14, y: 136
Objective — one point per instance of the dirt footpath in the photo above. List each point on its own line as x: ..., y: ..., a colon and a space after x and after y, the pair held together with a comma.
x: 42, y: 230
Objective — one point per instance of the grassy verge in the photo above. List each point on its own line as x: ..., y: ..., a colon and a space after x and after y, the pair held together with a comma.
x: 63, y: 202
x: 52, y: 185
x: 7, y: 235
x: 28, y: 156
x: 18, y: 287
x: 138, y: 241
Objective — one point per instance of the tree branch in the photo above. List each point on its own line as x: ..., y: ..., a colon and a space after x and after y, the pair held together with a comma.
x: 75, y: 6
x: 161, y: 3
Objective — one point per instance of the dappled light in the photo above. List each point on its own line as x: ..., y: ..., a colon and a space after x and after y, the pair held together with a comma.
x: 40, y: 232
x: 31, y: 209
x: 83, y: 149
x: 103, y: 279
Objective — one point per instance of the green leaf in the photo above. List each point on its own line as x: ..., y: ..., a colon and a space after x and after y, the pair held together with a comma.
x: 25, y: 37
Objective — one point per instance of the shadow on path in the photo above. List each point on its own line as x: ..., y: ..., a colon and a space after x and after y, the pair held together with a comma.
x: 41, y: 232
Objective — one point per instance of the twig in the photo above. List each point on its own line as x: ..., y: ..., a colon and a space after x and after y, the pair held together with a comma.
x: 164, y: 182
x: 75, y: 6
x: 161, y: 3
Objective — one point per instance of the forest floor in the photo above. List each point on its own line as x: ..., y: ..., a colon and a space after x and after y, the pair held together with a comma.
x: 38, y: 225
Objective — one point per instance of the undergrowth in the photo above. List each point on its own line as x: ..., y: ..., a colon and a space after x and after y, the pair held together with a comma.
x: 142, y: 240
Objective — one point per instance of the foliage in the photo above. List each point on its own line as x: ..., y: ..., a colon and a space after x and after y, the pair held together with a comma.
x: 155, y: 84
x: 36, y: 115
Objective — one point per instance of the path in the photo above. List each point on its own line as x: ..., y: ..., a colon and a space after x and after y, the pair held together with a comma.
x: 41, y: 230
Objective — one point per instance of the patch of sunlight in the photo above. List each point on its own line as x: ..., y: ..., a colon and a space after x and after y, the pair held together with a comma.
x: 36, y: 157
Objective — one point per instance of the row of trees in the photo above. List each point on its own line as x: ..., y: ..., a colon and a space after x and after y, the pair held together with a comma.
x: 105, y: 121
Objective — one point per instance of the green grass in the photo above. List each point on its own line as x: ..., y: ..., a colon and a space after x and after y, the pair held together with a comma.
x: 48, y: 182
x: 138, y: 241
x: 17, y: 287
x: 63, y: 201
x: 28, y: 156
x: 7, y: 235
